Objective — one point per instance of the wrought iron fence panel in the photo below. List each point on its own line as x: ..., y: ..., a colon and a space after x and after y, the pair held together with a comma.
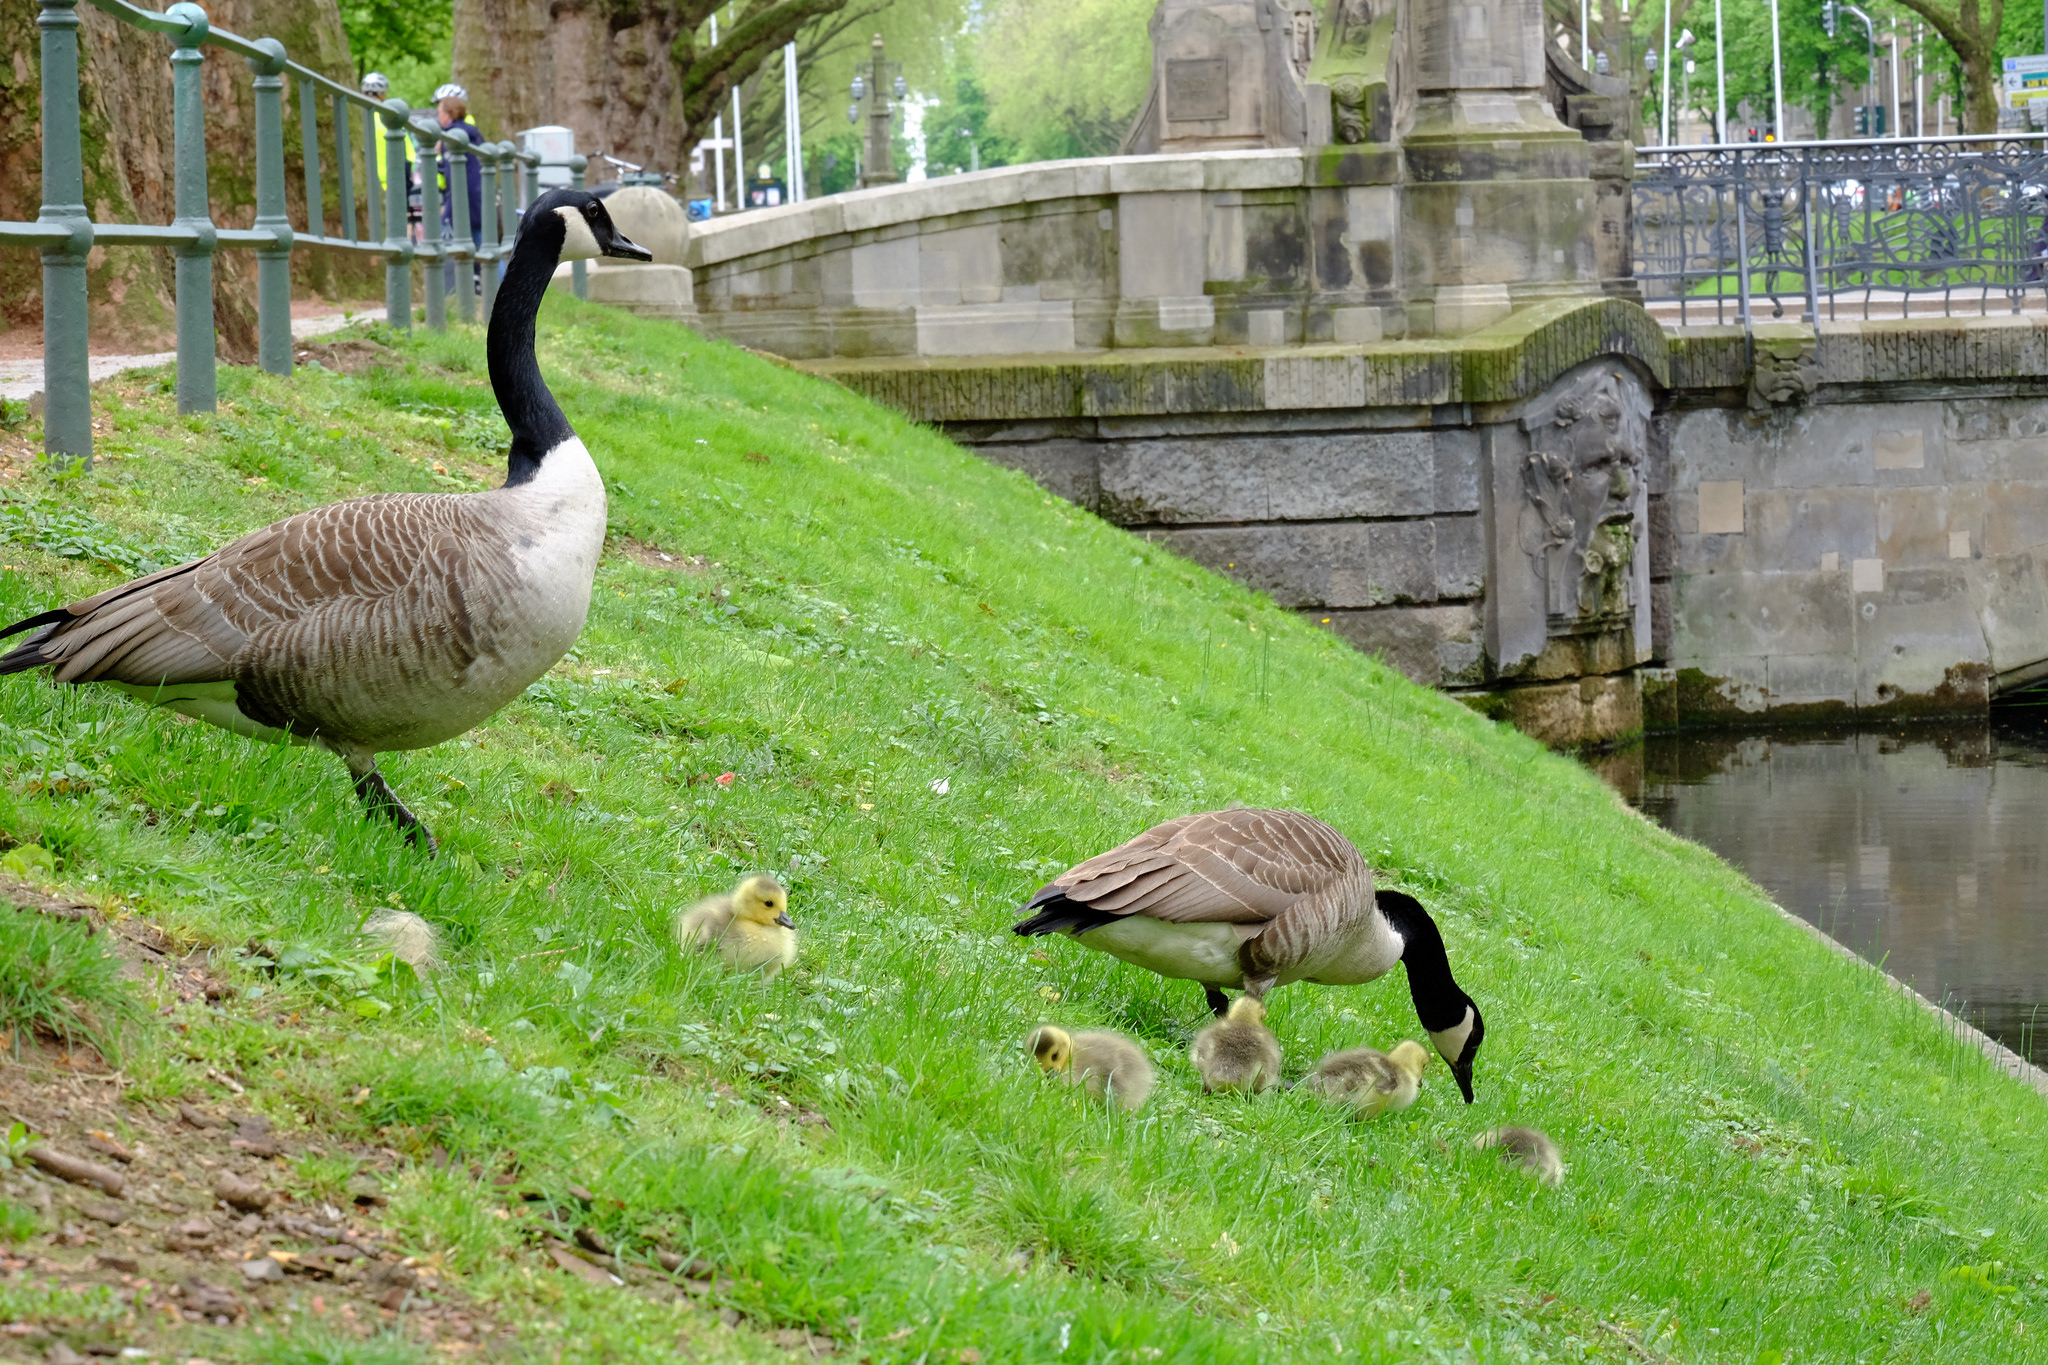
x: 1834, y: 229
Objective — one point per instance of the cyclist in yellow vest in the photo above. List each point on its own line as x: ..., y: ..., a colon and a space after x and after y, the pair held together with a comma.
x: 377, y: 87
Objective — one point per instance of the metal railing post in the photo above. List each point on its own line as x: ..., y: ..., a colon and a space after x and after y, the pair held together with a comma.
x: 273, y: 263
x: 373, y: 198
x: 494, y: 154
x: 397, y: 246
x: 1742, y: 243
x: 67, y: 387
x: 432, y: 272
x: 461, y: 247
x: 196, y: 356
x: 1806, y: 182
x: 309, y: 153
x: 345, y: 169
x: 579, y: 273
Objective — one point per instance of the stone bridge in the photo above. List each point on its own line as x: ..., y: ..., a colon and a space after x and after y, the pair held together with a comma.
x: 1406, y: 388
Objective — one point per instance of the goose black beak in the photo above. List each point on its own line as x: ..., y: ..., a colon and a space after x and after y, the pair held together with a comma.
x: 623, y: 247
x: 786, y: 922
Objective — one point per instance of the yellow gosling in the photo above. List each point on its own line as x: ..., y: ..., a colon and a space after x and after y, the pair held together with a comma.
x: 751, y: 928
x: 1238, y: 1051
x: 1529, y: 1148
x: 1370, y: 1082
x: 1107, y: 1065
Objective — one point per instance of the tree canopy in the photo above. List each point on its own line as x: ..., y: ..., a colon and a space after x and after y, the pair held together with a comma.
x: 1065, y: 79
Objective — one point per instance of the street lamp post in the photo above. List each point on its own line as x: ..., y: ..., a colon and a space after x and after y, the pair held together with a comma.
x: 1663, y: 120
x: 1897, y: 108
x: 1664, y: 104
x: 792, y: 124
x: 1870, y: 74
x: 1777, y: 78
x: 875, y: 80
x: 1721, y: 80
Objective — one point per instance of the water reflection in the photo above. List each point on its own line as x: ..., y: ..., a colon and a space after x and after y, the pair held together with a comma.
x: 1922, y: 849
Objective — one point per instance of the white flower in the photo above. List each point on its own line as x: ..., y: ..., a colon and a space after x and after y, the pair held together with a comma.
x: 941, y: 786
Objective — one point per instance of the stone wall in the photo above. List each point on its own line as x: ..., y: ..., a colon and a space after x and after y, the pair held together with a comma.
x: 1876, y: 543
x: 1246, y: 248
x: 1812, y: 524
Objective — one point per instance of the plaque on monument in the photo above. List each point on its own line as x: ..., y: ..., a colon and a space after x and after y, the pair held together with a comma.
x: 1197, y: 89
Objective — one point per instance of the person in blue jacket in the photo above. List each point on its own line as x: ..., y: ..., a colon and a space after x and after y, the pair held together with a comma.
x: 451, y: 107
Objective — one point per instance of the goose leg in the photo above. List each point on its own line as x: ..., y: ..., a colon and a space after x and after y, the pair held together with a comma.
x: 378, y: 799
x: 1219, y: 1003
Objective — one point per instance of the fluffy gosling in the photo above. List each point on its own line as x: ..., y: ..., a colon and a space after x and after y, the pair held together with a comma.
x: 1107, y: 1064
x: 1238, y: 1051
x: 1528, y: 1148
x: 751, y: 928
x: 1368, y: 1081
x: 408, y: 938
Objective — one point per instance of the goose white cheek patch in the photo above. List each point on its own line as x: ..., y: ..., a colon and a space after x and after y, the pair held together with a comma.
x: 579, y: 243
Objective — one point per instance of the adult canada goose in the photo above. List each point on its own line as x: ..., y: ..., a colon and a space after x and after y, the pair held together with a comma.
x: 393, y: 621
x: 1529, y: 1148
x: 751, y: 928
x: 1369, y: 1081
x: 1256, y: 899
x: 1238, y: 1051
x: 1102, y: 1062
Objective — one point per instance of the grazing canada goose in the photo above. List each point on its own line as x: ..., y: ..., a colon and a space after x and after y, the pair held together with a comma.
x: 1256, y: 899
x: 1238, y: 1051
x: 1105, y: 1063
x: 1371, y: 1082
x: 407, y: 937
x: 751, y: 928
x: 1529, y: 1148
x: 393, y: 621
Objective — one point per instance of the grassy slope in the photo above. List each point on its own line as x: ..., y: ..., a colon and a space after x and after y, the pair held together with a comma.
x: 1769, y: 1152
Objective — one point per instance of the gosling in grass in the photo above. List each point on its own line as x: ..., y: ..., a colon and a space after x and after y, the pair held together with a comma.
x: 1106, y: 1064
x: 1368, y: 1081
x: 408, y: 938
x: 1528, y: 1148
x: 751, y: 928
x: 1238, y: 1051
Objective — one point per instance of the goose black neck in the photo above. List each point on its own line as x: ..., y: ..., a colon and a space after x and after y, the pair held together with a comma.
x: 536, y: 420
x: 1439, y: 1003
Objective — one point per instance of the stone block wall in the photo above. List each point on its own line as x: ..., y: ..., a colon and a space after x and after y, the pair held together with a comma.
x: 1263, y: 248
x: 1377, y: 532
x: 1878, y: 546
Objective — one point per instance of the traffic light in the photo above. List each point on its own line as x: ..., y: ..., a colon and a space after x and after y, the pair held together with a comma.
x: 1877, y: 120
x: 1830, y: 15
x: 1863, y: 120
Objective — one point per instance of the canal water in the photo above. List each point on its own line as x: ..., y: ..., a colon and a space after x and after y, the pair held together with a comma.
x: 1923, y: 849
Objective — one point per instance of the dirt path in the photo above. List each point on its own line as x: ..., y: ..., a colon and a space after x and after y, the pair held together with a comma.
x: 21, y: 350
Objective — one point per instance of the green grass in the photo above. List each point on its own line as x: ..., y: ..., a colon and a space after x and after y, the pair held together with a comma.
x: 57, y: 982
x: 1771, y: 1153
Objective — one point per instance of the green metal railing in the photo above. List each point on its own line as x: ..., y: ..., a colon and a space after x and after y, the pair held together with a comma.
x: 65, y: 232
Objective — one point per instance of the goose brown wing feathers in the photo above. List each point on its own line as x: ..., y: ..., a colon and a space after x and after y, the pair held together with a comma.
x: 284, y: 611
x: 1231, y: 866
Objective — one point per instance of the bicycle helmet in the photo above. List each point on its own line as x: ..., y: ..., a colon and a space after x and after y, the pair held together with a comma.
x: 450, y: 91
x: 375, y: 85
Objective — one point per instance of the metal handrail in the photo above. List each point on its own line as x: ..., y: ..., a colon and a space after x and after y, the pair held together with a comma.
x: 1876, y: 224
x: 64, y: 231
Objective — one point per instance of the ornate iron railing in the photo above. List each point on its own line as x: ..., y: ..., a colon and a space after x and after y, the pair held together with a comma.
x: 65, y: 231
x: 1819, y: 230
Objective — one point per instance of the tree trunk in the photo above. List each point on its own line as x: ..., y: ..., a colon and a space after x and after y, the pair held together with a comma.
x: 600, y: 69
x: 1980, y: 89
x: 125, y: 110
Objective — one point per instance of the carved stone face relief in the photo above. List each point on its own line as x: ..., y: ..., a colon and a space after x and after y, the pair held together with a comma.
x: 1587, y: 442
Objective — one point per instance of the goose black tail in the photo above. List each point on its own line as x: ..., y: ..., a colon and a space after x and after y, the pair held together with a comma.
x: 1059, y: 915
x: 29, y: 653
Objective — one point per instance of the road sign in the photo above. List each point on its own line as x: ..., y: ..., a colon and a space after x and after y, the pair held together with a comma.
x: 2026, y: 80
